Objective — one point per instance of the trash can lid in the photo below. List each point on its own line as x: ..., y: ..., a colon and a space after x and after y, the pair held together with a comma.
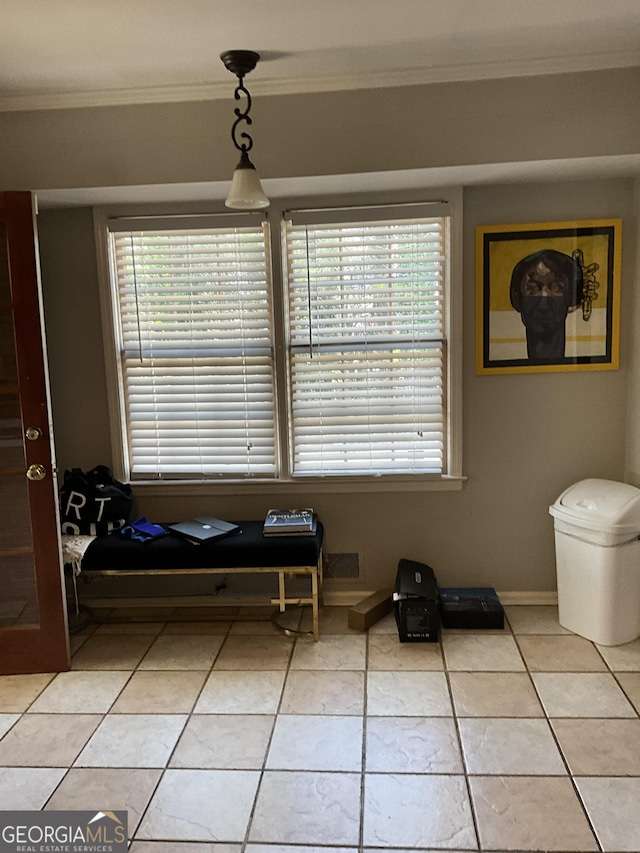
x: 603, y: 505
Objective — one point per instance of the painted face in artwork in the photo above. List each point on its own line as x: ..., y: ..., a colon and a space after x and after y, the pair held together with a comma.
x: 544, y: 286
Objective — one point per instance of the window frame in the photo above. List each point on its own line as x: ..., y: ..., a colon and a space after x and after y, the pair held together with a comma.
x: 294, y: 224
x: 183, y: 354
x: 285, y: 482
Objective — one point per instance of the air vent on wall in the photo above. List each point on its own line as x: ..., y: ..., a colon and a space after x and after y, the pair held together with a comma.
x: 341, y: 565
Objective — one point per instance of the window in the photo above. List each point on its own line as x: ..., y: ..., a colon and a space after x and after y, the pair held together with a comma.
x: 195, y: 347
x: 366, y: 341
x: 337, y: 366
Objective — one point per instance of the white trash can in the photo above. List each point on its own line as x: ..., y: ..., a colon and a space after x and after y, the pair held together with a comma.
x: 597, y: 530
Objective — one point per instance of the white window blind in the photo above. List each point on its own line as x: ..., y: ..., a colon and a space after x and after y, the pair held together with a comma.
x: 196, y: 348
x: 367, y: 352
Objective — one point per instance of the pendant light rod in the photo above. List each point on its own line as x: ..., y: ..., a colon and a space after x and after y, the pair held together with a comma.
x: 240, y: 63
x: 246, y: 193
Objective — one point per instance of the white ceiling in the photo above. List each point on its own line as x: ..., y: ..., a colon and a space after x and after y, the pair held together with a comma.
x: 58, y: 53
x: 73, y: 53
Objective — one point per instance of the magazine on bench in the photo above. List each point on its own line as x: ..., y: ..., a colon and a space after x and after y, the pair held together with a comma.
x: 290, y: 522
x: 203, y: 529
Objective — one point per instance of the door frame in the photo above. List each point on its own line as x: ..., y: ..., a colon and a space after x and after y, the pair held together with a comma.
x: 44, y: 648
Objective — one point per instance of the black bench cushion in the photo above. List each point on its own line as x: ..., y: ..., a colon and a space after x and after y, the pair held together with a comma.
x: 240, y: 550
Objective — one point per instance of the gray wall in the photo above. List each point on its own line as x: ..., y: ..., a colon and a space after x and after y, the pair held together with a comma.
x: 449, y: 124
x: 74, y: 338
x: 632, y: 472
x: 526, y: 437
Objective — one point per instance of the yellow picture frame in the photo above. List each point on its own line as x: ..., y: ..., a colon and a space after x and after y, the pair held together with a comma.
x: 548, y: 296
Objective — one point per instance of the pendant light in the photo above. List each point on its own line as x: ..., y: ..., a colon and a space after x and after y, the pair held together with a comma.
x: 246, y: 193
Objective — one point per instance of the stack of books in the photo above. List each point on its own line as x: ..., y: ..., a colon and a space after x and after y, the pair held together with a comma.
x: 290, y: 522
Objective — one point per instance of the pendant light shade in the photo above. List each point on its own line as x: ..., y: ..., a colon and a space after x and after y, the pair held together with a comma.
x: 246, y: 193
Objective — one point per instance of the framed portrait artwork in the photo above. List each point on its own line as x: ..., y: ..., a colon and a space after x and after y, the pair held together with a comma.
x: 548, y: 296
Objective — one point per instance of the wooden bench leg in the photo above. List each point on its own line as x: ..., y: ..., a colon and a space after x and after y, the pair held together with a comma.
x: 314, y: 604
x: 320, y: 580
x: 314, y: 601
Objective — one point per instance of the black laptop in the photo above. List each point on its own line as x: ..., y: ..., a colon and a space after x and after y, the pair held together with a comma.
x: 203, y: 529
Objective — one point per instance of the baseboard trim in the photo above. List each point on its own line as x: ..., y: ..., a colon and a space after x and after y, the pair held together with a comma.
x: 517, y: 597
x: 332, y: 598
x: 177, y: 601
x: 345, y: 598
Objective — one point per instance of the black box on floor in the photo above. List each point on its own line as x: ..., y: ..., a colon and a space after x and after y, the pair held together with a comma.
x: 471, y: 607
x: 415, y: 602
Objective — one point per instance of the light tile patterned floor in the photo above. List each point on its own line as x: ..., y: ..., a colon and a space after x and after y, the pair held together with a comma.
x: 222, y: 736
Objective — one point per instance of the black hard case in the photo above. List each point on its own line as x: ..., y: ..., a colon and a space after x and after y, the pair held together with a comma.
x: 471, y: 607
x: 416, y: 603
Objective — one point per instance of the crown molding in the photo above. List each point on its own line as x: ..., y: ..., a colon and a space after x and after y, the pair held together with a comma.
x: 498, y: 69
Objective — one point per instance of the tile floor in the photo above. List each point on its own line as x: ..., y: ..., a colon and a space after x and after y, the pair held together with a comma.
x: 221, y: 735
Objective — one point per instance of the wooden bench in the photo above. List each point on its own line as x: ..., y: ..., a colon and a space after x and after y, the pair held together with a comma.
x: 248, y: 551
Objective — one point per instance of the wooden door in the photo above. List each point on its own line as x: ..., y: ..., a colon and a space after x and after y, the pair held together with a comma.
x: 33, y: 621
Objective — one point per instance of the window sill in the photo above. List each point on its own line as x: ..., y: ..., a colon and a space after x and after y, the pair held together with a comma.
x: 294, y: 487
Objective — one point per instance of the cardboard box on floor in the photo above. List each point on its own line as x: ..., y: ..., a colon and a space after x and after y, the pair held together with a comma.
x: 370, y: 610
